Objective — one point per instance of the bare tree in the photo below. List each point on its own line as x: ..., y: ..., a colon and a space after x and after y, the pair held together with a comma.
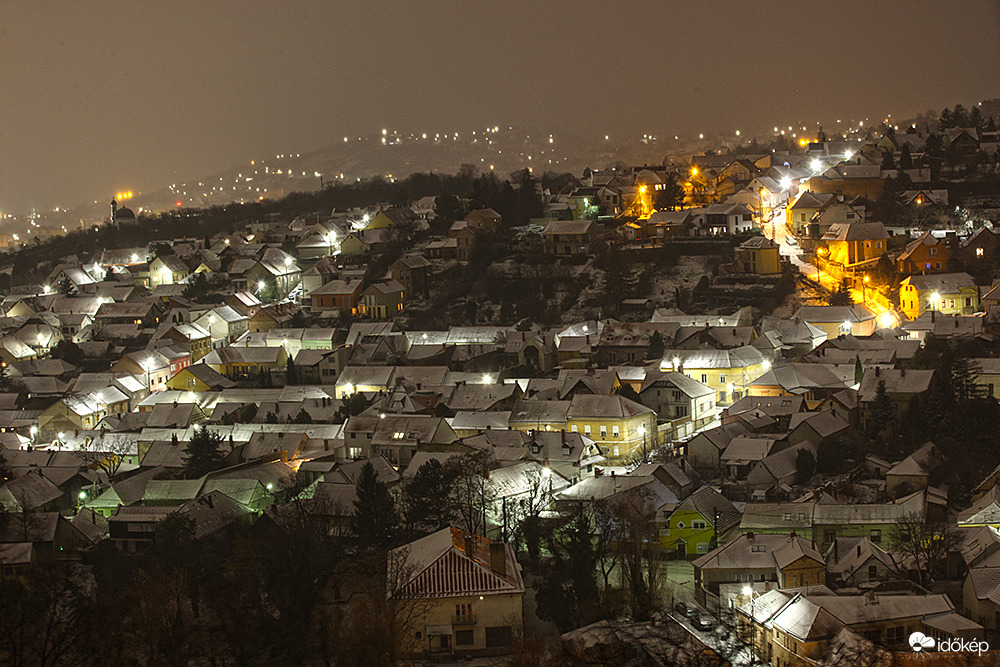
x: 108, y: 452
x: 380, y: 622
x: 635, y: 539
x: 472, y: 492
x: 605, y: 522
x: 927, y: 543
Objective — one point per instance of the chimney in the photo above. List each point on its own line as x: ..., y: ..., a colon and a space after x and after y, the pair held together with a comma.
x: 902, y: 372
x: 877, y: 371
x: 750, y: 536
x: 859, y: 551
x: 498, y: 557
x: 932, y: 316
x: 836, y: 552
x: 470, y: 546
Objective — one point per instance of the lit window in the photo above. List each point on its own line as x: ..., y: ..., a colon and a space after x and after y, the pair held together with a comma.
x: 614, y: 431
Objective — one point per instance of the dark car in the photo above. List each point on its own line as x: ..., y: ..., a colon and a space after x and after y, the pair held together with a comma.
x: 685, y: 610
x: 702, y: 623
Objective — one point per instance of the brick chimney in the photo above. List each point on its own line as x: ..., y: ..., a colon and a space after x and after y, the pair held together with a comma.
x: 470, y: 546
x: 750, y: 536
x: 498, y: 557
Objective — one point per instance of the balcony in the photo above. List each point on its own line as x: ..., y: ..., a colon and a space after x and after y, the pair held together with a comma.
x: 468, y: 619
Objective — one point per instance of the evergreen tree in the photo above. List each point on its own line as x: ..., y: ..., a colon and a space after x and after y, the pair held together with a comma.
x: 805, y: 465
x: 656, y: 346
x: 888, y: 159
x: 964, y: 372
x: 302, y: 417
x: 203, y: 453
x: 959, y: 116
x: 945, y: 120
x: 426, y: 498
x: 374, y: 520
x: 905, y: 159
x: 670, y: 196
x: 568, y: 594
x: 882, y: 410
x: 842, y: 297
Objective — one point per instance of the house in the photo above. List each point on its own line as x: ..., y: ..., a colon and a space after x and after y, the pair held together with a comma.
x: 698, y: 523
x: 926, y: 254
x: 342, y: 295
x: 799, y: 213
x: 785, y: 560
x: 464, y: 237
x: 196, y: 340
x: 705, y: 449
x: 167, y: 270
x: 618, y: 425
x: 473, y: 591
x: 199, y: 378
x: 722, y: 219
x: 855, y: 561
x: 569, y: 237
x: 856, y: 245
x: 382, y: 300
x: 758, y: 255
x: 225, y: 324
x: 688, y: 405
x: 946, y: 293
x: 796, y: 628
x: 901, y: 384
x: 912, y: 473
x: 728, y: 372
x: 412, y: 272
x: 856, y: 320
x: 246, y: 362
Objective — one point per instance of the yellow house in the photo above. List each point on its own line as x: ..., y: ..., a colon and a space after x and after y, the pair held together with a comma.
x: 856, y: 244
x: 946, y: 293
x: 167, y: 270
x: 473, y: 590
x: 199, y: 378
x: 690, y: 529
x: 246, y: 362
x: 620, y: 426
x: 728, y: 372
x: 757, y: 255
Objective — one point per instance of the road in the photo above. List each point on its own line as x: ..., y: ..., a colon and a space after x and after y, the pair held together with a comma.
x: 775, y: 229
x: 723, y: 640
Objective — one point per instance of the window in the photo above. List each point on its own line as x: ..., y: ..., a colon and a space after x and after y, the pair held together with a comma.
x: 698, y: 525
x: 894, y: 636
x: 616, y: 450
x: 722, y: 378
x: 604, y: 431
x: 586, y: 429
x: 573, y: 428
x: 722, y: 397
x: 464, y: 637
x: 876, y: 536
x: 499, y: 636
x: 979, y: 252
x: 873, y: 571
x: 704, y: 377
x: 758, y: 548
x: 829, y: 535
x: 463, y: 612
x: 614, y: 431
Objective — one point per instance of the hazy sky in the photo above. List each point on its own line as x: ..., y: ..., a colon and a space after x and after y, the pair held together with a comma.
x: 101, y: 96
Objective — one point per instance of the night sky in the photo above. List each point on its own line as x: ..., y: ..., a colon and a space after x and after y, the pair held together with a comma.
x: 101, y: 96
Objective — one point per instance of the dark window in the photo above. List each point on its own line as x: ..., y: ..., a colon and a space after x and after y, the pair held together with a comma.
x: 499, y: 636
x: 464, y: 637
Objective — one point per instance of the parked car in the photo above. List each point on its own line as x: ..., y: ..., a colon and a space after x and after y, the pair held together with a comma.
x: 703, y: 623
x: 685, y: 610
